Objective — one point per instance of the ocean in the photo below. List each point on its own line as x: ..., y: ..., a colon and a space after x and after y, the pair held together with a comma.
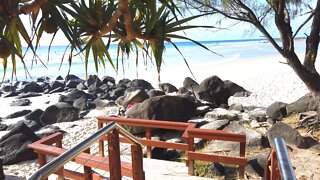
x: 173, y: 65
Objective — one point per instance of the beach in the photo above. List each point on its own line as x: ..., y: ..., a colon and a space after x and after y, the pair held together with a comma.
x: 265, y: 75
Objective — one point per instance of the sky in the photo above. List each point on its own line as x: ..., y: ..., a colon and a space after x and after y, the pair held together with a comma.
x: 239, y: 31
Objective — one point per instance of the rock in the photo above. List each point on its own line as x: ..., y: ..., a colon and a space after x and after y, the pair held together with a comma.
x: 137, y: 96
x: 256, y: 164
x: 3, y: 127
x: 60, y: 112
x: 28, y: 95
x: 119, y: 100
x: 43, y: 79
x: 155, y: 92
x: 289, y: 135
x: 21, y: 102
x: 59, y: 78
x: 304, y: 104
x: 11, y: 94
x: 34, y: 115
x: 70, y: 77
x: 253, y: 139
x: 2, y: 175
x: 213, y: 90
x: 277, y: 110
x: 140, y: 84
x: 73, y: 83
x: 57, y: 90
x: 184, y: 91
x: 56, y: 84
x: 219, y: 113
x: 217, y: 169
x: 14, y: 145
x: 123, y: 83
x: 190, y: 84
x: 33, y: 125
x: 216, y: 125
x: 258, y: 114
x: 82, y: 86
x: 108, y: 80
x: 202, y: 110
x: 18, y: 114
x: 236, y: 107
x: 169, y: 108
x: 72, y: 96
x: 81, y: 104
x: 164, y: 154
x: 234, y: 88
x: 116, y: 93
x: 32, y: 87
x: 8, y: 88
x: 93, y: 79
x: 168, y: 88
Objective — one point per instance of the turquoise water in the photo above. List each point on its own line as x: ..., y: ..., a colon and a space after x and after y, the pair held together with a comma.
x: 230, y: 50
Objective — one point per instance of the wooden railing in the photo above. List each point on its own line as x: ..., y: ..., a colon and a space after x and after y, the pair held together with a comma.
x: 189, y: 133
x: 52, y: 146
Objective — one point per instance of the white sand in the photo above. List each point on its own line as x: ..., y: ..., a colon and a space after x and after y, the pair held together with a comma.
x: 266, y: 78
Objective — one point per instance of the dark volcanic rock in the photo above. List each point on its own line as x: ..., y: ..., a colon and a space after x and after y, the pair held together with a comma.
x: 59, y: 78
x: 213, y: 90
x: 108, y: 80
x: 34, y: 115
x: 18, y: 114
x: 32, y: 87
x: 123, y: 83
x: 185, y: 91
x: 60, y: 112
x: 116, y: 93
x: 234, y: 88
x: 2, y: 175
x: 3, y: 127
x: 14, y: 145
x: 57, y: 84
x: 8, y: 88
x: 190, y: 84
x: 171, y: 108
x: 94, y: 79
x: 73, y: 83
x: 304, y: 104
x: 289, y: 135
x: 71, y: 77
x: 155, y: 92
x: 82, y: 86
x: 11, y: 94
x: 277, y: 110
x: 256, y: 164
x: 81, y: 104
x: 21, y: 102
x: 100, y: 104
x: 28, y: 95
x: 167, y: 87
x: 140, y: 84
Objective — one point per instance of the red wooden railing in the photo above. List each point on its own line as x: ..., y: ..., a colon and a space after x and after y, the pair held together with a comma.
x: 45, y: 147
x: 189, y: 133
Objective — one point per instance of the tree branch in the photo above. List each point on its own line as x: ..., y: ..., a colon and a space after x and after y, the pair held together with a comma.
x: 303, y: 24
x: 27, y: 7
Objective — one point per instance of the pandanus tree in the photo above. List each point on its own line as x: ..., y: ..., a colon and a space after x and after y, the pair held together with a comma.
x: 262, y: 13
x: 90, y: 26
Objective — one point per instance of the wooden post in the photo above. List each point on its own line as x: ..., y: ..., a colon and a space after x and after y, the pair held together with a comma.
x: 190, y: 161
x: 242, y: 154
x: 273, y: 173
x: 87, y: 171
x: 137, y: 162
x: 101, y: 142
x: 60, y: 171
x: 42, y: 161
x: 114, y: 155
x: 149, y: 148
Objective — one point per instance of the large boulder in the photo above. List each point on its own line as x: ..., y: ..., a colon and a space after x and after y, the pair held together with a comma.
x: 14, y: 145
x: 32, y: 87
x: 108, y: 80
x: 136, y: 96
x: 277, y: 110
x: 304, y: 104
x: 60, y: 112
x: 57, y: 85
x: 214, y: 91
x: 116, y: 93
x: 123, y: 83
x: 34, y: 115
x: 140, y: 84
x: 8, y: 88
x: 190, y: 84
x: 234, y: 88
x: 69, y: 77
x: 93, y: 79
x: 289, y: 135
x: 168, y: 88
x: 170, y: 108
